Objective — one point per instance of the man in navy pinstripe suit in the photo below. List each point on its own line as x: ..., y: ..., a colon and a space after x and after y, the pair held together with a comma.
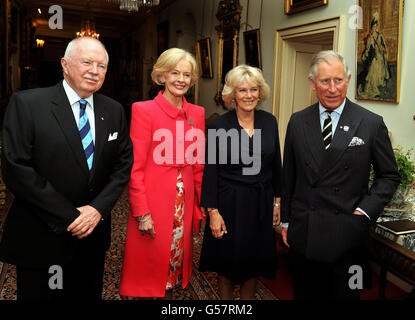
x: 326, y: 206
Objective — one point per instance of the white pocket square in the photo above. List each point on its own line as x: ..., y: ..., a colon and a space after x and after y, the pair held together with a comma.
x: 113, y: 136
x: 356, y: 141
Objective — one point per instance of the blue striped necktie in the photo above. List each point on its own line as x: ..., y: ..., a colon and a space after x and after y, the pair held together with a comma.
x: 85, y: 132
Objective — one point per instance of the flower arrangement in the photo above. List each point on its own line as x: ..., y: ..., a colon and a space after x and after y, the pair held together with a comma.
x: 406, y: 167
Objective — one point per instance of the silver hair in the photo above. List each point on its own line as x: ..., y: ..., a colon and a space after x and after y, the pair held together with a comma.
x: 70, y: 49
x: 326, y: 56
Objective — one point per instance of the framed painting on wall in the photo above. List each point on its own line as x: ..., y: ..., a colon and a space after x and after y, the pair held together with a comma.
x: 253, y: 48
x: 229, y: 16
x: 295, y: 6
x: 379, y: 50
x: 205, y: 58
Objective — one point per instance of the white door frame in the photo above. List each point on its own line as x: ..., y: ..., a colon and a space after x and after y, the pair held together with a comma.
x: 283, y: 78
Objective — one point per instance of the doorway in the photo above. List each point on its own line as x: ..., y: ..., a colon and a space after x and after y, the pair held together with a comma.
x: 294, y: 50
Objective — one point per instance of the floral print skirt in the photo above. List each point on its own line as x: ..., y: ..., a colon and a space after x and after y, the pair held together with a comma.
x: 176, y: 255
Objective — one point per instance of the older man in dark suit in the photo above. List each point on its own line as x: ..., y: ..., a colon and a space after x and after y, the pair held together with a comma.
x: 326, y: 204
x: 67, y: 157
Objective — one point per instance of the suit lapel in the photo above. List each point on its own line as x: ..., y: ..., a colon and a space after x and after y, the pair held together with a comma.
x: 313, y: 136
x: 63, y: 113
x: 348, y: 123
x: 101, y: 132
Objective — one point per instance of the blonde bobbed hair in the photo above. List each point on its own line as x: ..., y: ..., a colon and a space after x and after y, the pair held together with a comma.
x: 238, y: 75
x: 169, y: 59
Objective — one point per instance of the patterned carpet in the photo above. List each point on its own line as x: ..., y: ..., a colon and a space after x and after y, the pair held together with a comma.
x: 202, y: 286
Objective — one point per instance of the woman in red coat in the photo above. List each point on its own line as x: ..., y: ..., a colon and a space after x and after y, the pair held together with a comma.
x: 168, y: 139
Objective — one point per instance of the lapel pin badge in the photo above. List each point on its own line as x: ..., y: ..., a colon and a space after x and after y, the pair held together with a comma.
x: 102, y: 118
x: 191, y: 121
x: 346, y: 128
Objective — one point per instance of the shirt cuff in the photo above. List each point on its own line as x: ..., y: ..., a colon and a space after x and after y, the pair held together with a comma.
x: 285, y: 224
x: 362, y: 211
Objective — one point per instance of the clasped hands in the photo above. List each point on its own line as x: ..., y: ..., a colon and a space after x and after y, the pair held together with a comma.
x: 83, y: 225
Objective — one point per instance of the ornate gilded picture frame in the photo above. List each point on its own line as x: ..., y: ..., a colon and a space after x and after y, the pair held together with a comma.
x: 252, y: 43
x: 295, y: 6
x: 205, y: 58
x: 229, y: 17
x: 379, y: 50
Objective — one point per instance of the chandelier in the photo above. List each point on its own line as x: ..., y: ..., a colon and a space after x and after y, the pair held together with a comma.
x: 40, y: 43
x: 134, y: 5
x: 88, y: 29
x: 88, y: 25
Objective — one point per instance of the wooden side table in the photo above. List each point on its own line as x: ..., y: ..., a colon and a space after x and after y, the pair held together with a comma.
x: 394, y: 258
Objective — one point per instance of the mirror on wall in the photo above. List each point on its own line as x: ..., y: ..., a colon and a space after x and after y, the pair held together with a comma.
x: 229, y: 16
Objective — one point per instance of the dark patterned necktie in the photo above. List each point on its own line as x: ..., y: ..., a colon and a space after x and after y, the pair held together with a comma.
x: 85, y: 132
x: 327, y: 131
